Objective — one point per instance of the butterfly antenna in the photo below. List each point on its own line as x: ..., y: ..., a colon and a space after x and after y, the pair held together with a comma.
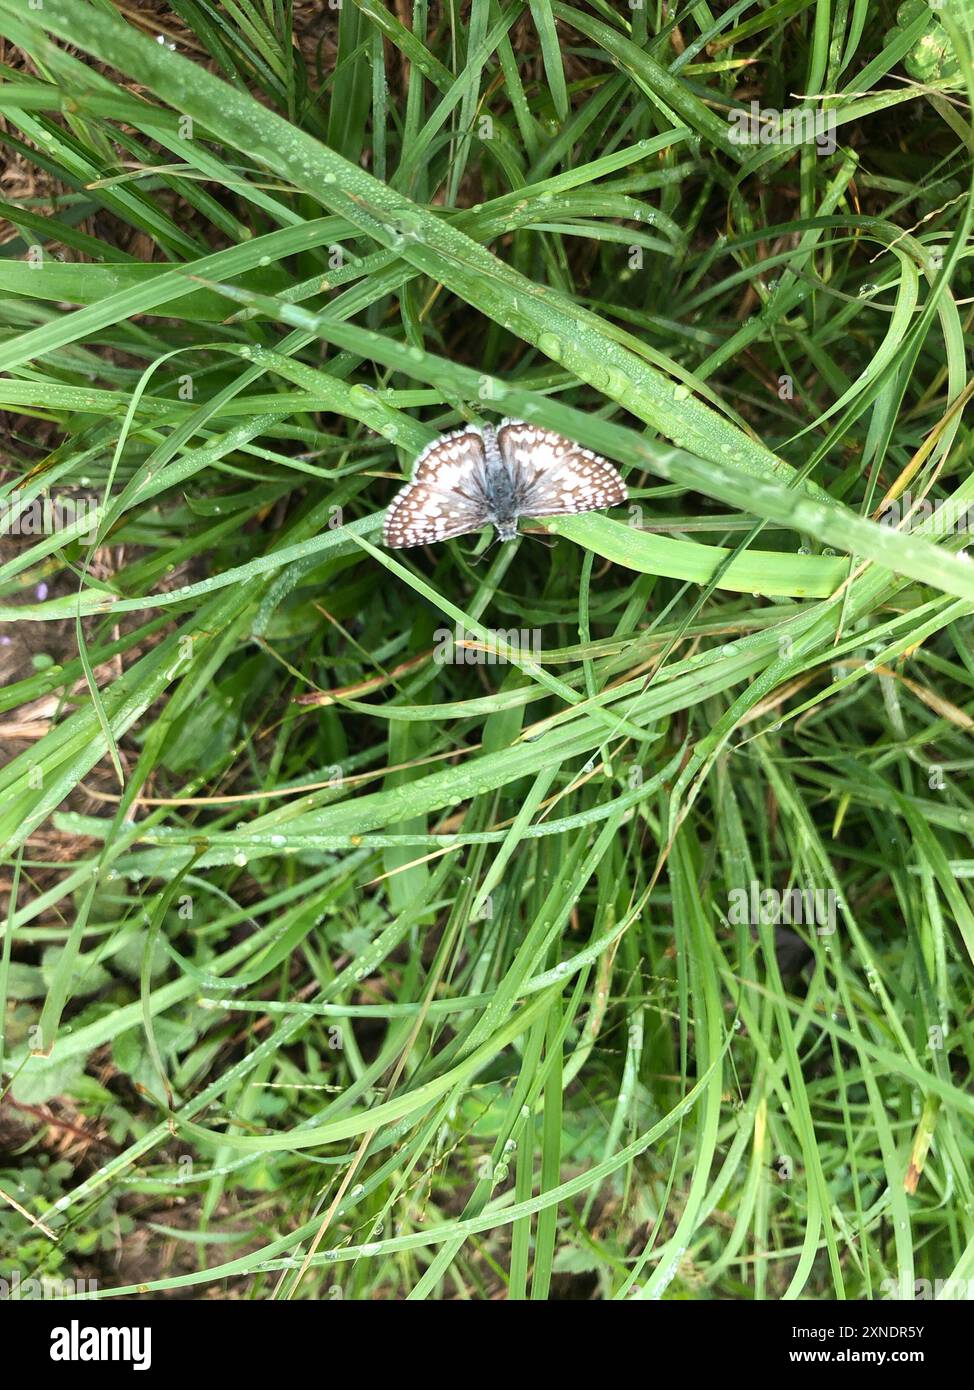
x: 476, y: 559
x: 542, y: 537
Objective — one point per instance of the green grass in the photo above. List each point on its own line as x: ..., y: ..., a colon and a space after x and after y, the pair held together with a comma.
x: 332, y: 970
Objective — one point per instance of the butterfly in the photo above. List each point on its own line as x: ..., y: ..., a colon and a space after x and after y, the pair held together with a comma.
x: 471, y: 477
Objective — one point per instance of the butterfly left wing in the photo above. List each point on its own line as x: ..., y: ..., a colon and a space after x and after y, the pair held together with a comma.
x: 420, y: 516
x: 554, y: 476
x: 446, y: 496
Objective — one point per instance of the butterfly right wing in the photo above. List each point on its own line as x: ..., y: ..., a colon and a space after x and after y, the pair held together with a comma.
x: 555, y: 476
x: 446, y: 497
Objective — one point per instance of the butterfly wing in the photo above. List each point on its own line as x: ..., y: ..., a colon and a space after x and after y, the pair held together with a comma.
x: 554, y: 476
x: 446, y: 497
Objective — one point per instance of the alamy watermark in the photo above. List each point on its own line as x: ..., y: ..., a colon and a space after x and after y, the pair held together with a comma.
x: 15, y: 1288
x: 76, y: 1342
x: 923, y: 1290
x: 756, y: 906
x: 941, y: 517
x: 46, y: 516
x: 797, y: 125
x: 514, y: 646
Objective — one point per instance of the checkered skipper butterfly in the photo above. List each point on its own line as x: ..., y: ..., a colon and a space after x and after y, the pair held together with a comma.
x: 472, y: 477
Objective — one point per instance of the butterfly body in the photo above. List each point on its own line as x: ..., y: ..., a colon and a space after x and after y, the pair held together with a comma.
x: 474, y: 477
x: 500, y: 487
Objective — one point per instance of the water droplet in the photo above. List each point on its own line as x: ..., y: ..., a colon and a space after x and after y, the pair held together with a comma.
x: 618, y: 383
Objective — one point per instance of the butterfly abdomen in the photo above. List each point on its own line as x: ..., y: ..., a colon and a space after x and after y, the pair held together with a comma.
x: 499, y: 488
